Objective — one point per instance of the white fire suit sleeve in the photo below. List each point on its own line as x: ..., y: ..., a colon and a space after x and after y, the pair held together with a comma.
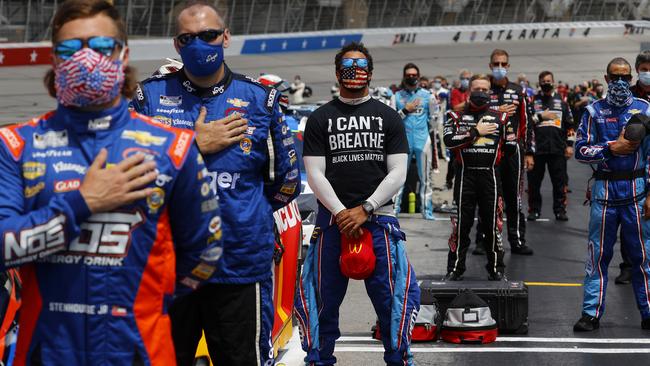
x: 315, y: 167
x: 394, y: 180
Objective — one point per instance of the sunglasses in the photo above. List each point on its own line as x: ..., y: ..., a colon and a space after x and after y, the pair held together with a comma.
x: 501, y: 64
x: 100, y: 44
x: 617, y: 77
x: 208, y: 35
x: 360, y: 62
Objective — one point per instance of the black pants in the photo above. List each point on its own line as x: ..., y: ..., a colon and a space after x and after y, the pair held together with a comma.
x: 474, y: 187
x: 230, y: 316
x: 557, y: 170
x: 512, y: 180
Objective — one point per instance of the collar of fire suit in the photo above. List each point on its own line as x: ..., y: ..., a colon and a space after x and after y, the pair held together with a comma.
x: 216, y: 89
x: 355, y: 101
x: 93, y: 122
x: 496, y: 86
x: 639, y: 92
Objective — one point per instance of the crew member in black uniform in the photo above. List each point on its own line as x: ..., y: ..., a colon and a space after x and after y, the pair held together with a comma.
x: 476, y: 136
x: 554, y: 138
x: 519, y: 147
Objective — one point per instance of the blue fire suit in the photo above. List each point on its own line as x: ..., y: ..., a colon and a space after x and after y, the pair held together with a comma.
x: 96, y: 287
x: 253, y: 178
x: 418, y: 124
x: 617, y: 198
x: 397, y: 305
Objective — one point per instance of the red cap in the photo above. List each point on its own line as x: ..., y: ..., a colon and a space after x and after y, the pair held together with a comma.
x: 357, y: 256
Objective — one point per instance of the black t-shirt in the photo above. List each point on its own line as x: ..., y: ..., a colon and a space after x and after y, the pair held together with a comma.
x: 355, y: 140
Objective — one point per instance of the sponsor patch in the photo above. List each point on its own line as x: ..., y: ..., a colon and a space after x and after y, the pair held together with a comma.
x: 66, y: 185
x: 50, y: 139
x: 156, y: 200
x: 31, y: 191
x: 171, y: 100
x: 203, y: 271
x: 162, y: 179
x: 51, y: 154
x: 288, y: 188
x: 237, y: 102
x: 215, y: 224
x: 209, y: 205
x: 100, y: 123
x: 163, y: 120
x: 179, y: 147
x: 149, y: 155
x: 33, y: 170
x: 250, y: 130
x: 246, y: 145
x: 271, y: 98
x: 143, y: 138
x: 634, y: 111
x: 205, y: 189
x: 62, y: 166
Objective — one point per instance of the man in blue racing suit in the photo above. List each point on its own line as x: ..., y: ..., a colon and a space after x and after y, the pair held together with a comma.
x: 419, y: 110
x: 101, y: 208
x: 618, y: 196
x: 253, y: 178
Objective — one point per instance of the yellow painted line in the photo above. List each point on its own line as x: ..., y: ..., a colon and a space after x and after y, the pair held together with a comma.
x: 553, y: 284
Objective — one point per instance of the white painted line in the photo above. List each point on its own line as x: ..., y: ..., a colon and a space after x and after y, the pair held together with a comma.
x: 483, y: 349
x: 531, y: 339
x: 448, y: 219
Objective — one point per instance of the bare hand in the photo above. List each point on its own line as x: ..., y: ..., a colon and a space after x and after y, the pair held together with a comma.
x: 529, y: 162
x: 548, y: 115
x: 217, y: 135
x: 350, y: 221
x: 105, y: 189
x: 622, y: 146
x: 412, y: 105
x: 568, y: 152
x: 486, y: 128
x: 508, y: 108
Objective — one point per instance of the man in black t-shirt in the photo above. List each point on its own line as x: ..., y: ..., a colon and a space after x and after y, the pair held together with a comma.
x: 355, y: 153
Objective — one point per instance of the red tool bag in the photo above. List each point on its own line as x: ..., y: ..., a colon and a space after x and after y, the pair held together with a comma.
x: 426, y: 325
x: 468, y: 320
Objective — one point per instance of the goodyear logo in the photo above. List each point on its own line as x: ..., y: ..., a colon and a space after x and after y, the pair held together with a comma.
x: 143, y: 138
x: 33, y: 169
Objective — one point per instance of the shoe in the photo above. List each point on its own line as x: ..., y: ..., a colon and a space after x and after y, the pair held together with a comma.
x: 453, y: 276
x: 645, y: 324
x: 522, y: 250
x: 497, y: 276
x: 533, y: 216
x: 561, y: 216
x: 587, y: 324
x: 625, y: 278
x: 479, y: 249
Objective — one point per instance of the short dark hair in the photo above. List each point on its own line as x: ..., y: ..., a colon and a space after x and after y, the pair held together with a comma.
x: 410, y: 65
x: 499, y: 52
x: 479, y: 77
x: 544, y: 74
x: 353, y: 46
x: 642, y: 58
x: 618, y: 61
x: 79, y: 9
x: 190, y: 3
x: 424, y: 78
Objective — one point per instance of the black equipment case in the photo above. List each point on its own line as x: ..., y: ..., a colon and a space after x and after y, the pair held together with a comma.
x: 508, y: 300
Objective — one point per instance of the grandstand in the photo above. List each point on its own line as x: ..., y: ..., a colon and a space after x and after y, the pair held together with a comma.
x: 29, y: 20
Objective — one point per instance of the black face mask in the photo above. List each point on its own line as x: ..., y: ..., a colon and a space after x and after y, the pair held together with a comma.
x: 411, y: 81
x: 546, y: 87
x: 479, y: 100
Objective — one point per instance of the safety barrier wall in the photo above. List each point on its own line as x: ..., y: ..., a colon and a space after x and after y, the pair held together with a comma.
x: 20, y: 54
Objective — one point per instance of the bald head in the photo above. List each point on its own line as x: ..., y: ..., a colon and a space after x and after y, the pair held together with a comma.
x: 196, y: 16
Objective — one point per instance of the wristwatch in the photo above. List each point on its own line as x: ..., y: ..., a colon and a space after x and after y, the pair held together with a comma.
x: 368, y: 207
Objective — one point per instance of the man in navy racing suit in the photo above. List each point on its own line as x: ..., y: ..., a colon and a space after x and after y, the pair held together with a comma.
x: 253, y: 177
x: 618, y: 195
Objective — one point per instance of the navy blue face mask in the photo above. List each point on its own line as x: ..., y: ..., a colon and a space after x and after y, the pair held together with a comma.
x: 202, y: 58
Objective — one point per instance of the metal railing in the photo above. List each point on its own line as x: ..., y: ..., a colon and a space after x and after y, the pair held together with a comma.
x: 29, y: 20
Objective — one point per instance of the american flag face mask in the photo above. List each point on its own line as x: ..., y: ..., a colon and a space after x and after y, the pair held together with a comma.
x: 88, y: 78
x: 354, y: 77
